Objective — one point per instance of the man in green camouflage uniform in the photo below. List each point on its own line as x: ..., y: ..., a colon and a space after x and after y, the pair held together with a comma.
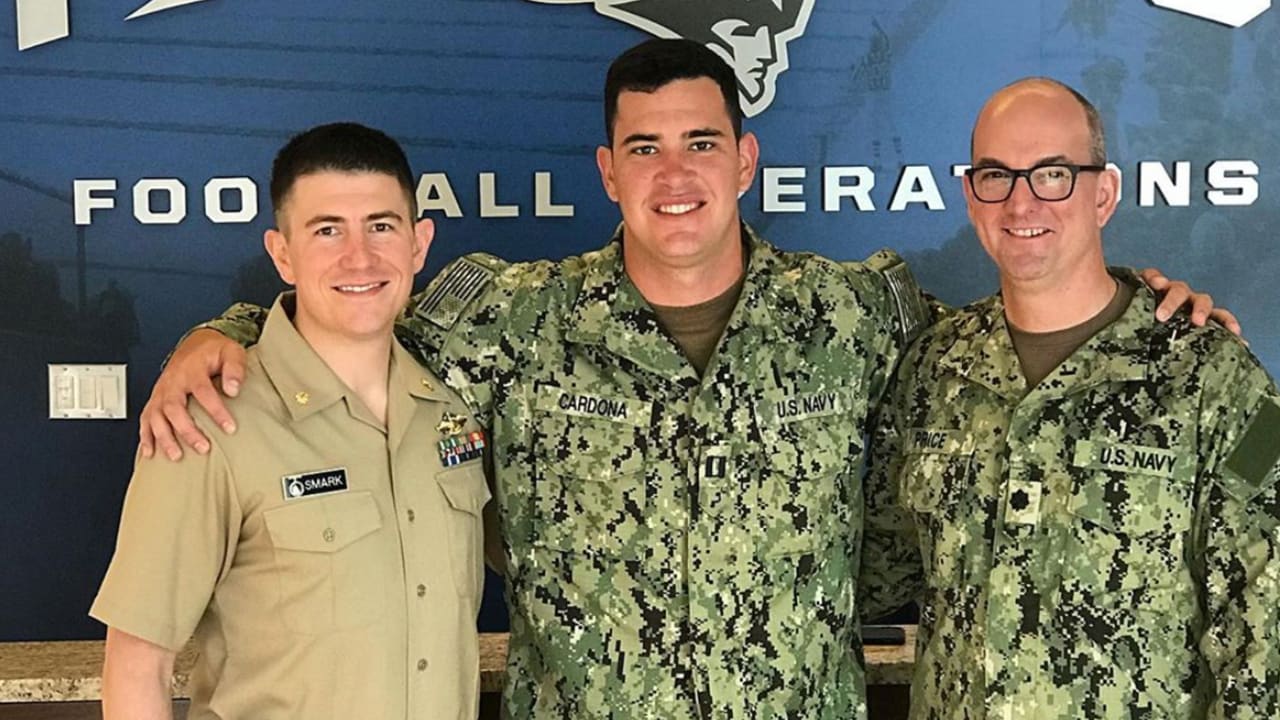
x: 1094, y: 492
x: 678, y: 474
x: 677, y: 426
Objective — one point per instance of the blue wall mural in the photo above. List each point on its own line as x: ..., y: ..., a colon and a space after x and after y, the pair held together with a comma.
x: 135, y: 158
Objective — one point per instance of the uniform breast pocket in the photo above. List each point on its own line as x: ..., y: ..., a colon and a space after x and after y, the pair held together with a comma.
x: 466, y: 493
x: 330, y: 571
x: 590, y: 493
x: 932, y: 484
x: 1129, y: 531
x: 803, y: 501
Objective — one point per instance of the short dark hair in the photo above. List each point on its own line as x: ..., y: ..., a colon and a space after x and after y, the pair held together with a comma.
x: 654, y: 63
x: 341, y: 147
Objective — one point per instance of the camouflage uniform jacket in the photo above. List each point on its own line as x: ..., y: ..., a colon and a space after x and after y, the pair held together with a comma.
x: 676, y: 547
x: 1103, y: 546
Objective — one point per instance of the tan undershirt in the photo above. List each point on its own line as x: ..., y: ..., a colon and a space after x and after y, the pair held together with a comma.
x: 1040, y: 353
x: 697, y: 328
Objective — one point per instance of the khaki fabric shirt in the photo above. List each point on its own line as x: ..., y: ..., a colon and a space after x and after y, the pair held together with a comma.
x: 354, y: 603
x: 1105, y: 545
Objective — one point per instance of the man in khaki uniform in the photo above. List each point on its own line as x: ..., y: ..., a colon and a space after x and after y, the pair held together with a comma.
x: 326, y: 559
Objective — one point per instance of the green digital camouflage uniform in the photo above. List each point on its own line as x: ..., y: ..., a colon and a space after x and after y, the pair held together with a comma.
x: 1103, y: 546
x: 676, y: 547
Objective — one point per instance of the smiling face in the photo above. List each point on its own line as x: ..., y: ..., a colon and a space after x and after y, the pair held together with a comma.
x: 1038, y: 244
x: 348, y: 243
x: 676, y: 170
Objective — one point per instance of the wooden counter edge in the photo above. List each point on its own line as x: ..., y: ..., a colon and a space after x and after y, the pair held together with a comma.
x: 65, y: 671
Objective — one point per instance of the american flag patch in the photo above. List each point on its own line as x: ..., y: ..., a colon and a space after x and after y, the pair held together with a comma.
x: 465, y: 281
x: 912, y: 311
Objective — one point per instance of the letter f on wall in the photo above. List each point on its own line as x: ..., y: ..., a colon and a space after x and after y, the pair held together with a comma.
x: 1228, y: 12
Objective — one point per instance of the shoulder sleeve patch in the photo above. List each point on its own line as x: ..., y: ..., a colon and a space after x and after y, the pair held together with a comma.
x: 455, y: 289
x: 909, y: 304
x: 1258, y: 450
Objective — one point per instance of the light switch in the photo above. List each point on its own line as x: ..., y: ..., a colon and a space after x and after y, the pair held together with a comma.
x: 87, y: 392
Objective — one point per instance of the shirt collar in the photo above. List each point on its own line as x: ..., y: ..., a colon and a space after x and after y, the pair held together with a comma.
x: 1119, y: 352
x: 610, y: 311
x: 307, y: 385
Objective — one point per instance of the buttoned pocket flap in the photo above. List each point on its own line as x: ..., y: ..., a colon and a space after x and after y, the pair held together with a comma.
x: 1131, y: 489
x: 811, y: 449
x: 935, y: 467
x: 591, y: 437
x: 323, y: 525
x: 465, y: 488
x: 1134, y: 505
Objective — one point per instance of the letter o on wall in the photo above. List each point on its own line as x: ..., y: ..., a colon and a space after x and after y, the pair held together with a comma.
x: 142, y: 193
x: 248, y: 191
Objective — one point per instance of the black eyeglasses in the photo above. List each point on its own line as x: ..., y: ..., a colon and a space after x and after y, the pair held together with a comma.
x: 1052, y: 182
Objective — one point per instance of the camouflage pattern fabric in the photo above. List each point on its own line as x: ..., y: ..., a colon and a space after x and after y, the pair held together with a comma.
x: 1103, y: 546
x: 676, y: 547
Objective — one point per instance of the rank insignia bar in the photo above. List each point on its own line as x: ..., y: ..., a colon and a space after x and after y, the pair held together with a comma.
x: 458, y: 449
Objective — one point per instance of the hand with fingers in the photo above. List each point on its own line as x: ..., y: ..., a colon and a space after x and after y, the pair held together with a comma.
x: 1177, y: 294
x: 165, y: 422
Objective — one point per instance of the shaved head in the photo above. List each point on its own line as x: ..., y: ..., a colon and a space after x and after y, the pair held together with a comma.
x: 1049, y: 86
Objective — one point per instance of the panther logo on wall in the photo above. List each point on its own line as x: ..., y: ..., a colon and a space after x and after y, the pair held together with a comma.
x: 751, y: 35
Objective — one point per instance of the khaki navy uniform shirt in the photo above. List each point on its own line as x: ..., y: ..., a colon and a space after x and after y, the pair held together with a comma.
x: 328, y: 568
x: 676, y: 546
x: 1103, y: 545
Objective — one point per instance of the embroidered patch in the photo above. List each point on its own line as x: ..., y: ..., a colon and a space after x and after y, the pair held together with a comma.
x: 913, y: 311
x: 1258, y: 451
x: 1022, y: 502
x: 614, y: 409
x: 1120, y: 457
x: 803, y: 406
x: 317, y: 482
x: 465, y: 282
x: 942, y: 442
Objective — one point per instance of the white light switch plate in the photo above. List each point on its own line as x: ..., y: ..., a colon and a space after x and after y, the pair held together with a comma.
x: 87, y: 392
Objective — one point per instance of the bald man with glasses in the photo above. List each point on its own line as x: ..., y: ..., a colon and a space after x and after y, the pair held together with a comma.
x: 1094, y: 492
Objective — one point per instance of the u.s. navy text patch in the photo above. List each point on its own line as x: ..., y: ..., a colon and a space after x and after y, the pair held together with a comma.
x: 803, y: 406
x: 1107, y: 455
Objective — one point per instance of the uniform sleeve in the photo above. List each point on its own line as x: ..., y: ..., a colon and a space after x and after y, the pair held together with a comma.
x: 241, y: 322
x: 177, y: 538
x: 1240, y: 532
x: 913, y: 309
x: 457, y: 325
x: 891, y: 572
